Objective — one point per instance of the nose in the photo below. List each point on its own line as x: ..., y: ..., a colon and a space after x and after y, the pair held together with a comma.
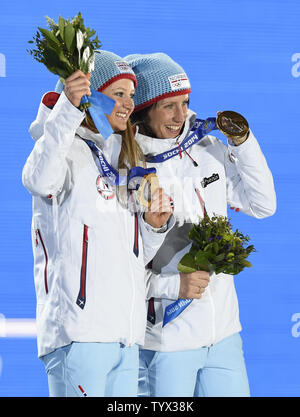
x: 128, y: 103
x: 180, y: 114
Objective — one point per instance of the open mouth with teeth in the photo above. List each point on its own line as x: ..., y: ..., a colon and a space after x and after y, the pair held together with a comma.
x: 173, y: 129
x: 122, y: 115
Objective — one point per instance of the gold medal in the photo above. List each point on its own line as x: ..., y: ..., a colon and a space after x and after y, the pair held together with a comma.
x: 147, y: 188
x: 232, y: 124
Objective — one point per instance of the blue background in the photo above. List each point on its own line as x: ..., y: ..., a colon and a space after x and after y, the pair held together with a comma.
x: 238, y: 56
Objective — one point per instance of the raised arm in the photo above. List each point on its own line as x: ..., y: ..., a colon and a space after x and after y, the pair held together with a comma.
x: 45, y: 170
x: 250, y: 186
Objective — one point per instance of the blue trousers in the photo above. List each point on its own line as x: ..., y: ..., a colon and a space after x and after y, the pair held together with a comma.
x: 93, y: 370
x: 216, y: 371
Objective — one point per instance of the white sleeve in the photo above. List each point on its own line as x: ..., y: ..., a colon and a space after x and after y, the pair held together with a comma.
x: 250, y: 186
x: 162, y: 285
x: 152, y: 241
x: 45, y: 170
x: 36, y: 128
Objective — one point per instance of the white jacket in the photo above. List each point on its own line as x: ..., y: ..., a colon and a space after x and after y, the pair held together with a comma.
x: 89, y: 283
x: 235, y: 175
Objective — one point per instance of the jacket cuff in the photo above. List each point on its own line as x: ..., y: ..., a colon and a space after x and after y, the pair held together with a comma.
x: 163, y: 229
x: 249, y: 146
x: 164, y: 286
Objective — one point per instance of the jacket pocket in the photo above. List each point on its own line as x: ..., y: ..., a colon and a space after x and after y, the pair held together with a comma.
x: 81, y: 298
x: 39, y: 240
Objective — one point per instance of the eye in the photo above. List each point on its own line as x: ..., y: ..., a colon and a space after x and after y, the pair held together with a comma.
x: 119, y: 93
x: 168, y: 106
x: 186, y: 103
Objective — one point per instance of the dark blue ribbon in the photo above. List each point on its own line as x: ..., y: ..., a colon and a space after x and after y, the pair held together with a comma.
x: 112, y: 174
x: 200, y: 129
x: 207, y: 125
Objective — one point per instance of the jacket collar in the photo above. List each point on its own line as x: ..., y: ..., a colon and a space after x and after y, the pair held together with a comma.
x: 111, y: 147
x: 154, y: 146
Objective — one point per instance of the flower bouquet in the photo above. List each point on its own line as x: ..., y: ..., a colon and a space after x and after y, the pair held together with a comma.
x: 66, y: 47
x: 216, y: 248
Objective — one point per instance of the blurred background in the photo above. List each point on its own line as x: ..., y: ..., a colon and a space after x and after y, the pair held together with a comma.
x: 241, y: 55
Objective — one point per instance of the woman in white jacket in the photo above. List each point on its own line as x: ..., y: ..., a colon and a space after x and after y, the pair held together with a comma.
x: 88, y: 257
x: 199, y: 352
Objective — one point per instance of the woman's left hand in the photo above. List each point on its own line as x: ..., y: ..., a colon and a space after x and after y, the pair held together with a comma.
x: 160, y: 209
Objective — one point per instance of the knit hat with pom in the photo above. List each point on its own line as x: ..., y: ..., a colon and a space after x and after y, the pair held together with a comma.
x: 158, y: 77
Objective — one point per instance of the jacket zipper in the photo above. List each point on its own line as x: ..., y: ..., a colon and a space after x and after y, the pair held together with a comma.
x: 81, y: 299
x: 38, y: 235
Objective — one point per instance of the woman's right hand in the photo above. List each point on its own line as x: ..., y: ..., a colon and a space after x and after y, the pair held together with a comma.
x: 193, y: 285
x: 76, y: 86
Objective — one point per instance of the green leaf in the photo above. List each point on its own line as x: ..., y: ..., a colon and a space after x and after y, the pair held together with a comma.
x: 219, y: 269
x: 55, y: 65
x: 69, y: 36
x: 250, y: 248
x: 200, y: 258
x: 61, y: 25
x: 64, y: 59
x: 246, y: 263
x: 187, y: 264
x: 208, y: 247
x: 216, y: 247
x: 202, y: 261
x: 220, y: 257
x: 49, y: 36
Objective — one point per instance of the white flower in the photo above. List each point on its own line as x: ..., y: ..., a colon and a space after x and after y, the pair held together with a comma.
x: 79, y: 39
x: 91, y: 64
x: 86, y: 54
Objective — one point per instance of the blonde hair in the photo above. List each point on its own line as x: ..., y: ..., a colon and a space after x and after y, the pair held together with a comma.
x: 131, y: 154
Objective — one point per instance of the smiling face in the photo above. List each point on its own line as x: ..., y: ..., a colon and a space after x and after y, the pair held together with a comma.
x: 166, y: 118
x: 122, y: 91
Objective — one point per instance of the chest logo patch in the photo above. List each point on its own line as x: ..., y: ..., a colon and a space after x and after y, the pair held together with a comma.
x: 208, y: 180
x: 103, y: 188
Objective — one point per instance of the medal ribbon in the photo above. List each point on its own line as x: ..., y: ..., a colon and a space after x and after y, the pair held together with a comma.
x: 100, y: 106
x: 112, y: 174
x: 200, y: 129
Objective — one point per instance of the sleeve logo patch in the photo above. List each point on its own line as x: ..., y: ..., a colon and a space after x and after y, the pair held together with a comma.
x: 208, y: 180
